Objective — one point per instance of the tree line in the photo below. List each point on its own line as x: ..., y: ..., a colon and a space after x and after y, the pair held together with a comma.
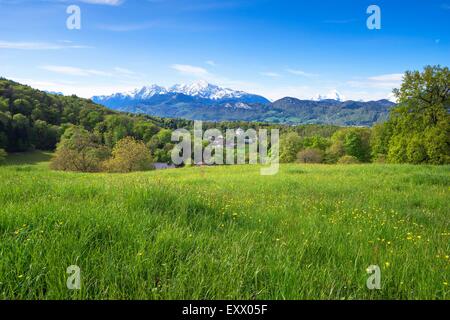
x: 418, y: 129
x: 417, y: 132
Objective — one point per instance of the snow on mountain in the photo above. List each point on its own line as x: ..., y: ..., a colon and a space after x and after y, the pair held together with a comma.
x: 147, y: 92
x: 200, y: 89
x: 143, y: 93
x: 203, y: 89
x: 332, y: 95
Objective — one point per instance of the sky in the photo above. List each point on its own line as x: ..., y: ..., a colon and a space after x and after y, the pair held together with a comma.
x: 275, y: 48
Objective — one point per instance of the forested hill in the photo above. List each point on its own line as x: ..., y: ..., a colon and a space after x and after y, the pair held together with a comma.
x: 30, y: 118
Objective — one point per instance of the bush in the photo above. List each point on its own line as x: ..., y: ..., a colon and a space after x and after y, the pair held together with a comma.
x: 348, y: 160
x: 380, y: 158
x: 129, y: 155
x: 310, y: 156
x: 79, y: 150
x: 3, y: 155
x: 290, y: 144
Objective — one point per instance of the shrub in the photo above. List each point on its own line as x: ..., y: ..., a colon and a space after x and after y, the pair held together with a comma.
x: 380, y: 158
x: 353, y: 142
x: 290, y: 145
x: 3, y: 155
x: 348, y: 160
x: 79, y: 150
x: 310, y: 156
x: 129, y: 155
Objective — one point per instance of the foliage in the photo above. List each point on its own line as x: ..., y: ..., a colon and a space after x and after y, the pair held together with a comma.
x: 379, y: 140
x: 3, y: 155
x: 353, y: 142
x: 420, y: 126
x: 129, y: 155
x: 290, y: 144
x: 348, y: 160
x: 79, y: 150
x: 310, y: 156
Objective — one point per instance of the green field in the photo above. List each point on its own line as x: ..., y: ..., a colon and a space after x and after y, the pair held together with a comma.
x: 309, y: 232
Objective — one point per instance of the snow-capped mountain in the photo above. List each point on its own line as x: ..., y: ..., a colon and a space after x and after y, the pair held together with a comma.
x: 200, y: 89
x: 206, y: 90
x: 204, y: 101
x: 332, y: 95
x: 143, y: 93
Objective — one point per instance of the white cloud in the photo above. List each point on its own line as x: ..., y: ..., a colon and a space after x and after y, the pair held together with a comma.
x: 127, y: 27
x: 270, y: 74
x: 385, y: 81
x: 73, y: 71
x: 211, y: 63
x: 81, y: 89
x: 124, y: 71
x: 104, y: 2
x: 388, y: 77
x: 37, y: 46
x: 301, y: 73
x: 190, y: 70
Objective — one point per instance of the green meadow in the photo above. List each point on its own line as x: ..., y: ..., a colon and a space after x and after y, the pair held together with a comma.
x: 309, y: 232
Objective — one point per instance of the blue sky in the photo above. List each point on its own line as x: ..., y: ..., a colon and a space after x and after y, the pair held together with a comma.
x: 271, y: 47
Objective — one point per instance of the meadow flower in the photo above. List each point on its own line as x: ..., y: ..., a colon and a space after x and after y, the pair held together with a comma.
x: 387, y: 264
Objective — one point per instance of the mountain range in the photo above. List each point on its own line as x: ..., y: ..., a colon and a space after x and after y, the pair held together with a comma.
x: 208, y: 102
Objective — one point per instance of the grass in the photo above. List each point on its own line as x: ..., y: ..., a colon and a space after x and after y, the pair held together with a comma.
x: 309, y: 232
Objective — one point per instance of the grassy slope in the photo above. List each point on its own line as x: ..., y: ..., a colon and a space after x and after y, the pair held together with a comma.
x: 226, y: 232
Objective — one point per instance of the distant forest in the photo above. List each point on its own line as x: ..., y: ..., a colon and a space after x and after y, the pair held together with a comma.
x: 417, y: 131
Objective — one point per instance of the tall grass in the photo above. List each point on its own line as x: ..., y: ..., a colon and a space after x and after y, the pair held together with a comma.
x: 309, y: 232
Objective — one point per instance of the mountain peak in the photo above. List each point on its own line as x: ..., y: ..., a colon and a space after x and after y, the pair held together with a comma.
x: 199, y: 89
x: 332, y: 95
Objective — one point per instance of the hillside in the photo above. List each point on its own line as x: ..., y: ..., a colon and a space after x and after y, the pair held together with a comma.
x: 31, y: 118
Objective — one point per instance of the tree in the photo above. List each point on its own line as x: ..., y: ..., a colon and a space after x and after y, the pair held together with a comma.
x: 290, y: 145
x: 79, y: 150
x: 3, y: 155
x: 379, y: 141
x: 22, y: 106
x: 421, y: 121
x: 161, y: 146
x: 310, y: 156
x: 129, y: 155
x: 4, y: 105
x: 348, y: 160
x: 316, y: 142
x: 353, y: 142
x: 46, y: 136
